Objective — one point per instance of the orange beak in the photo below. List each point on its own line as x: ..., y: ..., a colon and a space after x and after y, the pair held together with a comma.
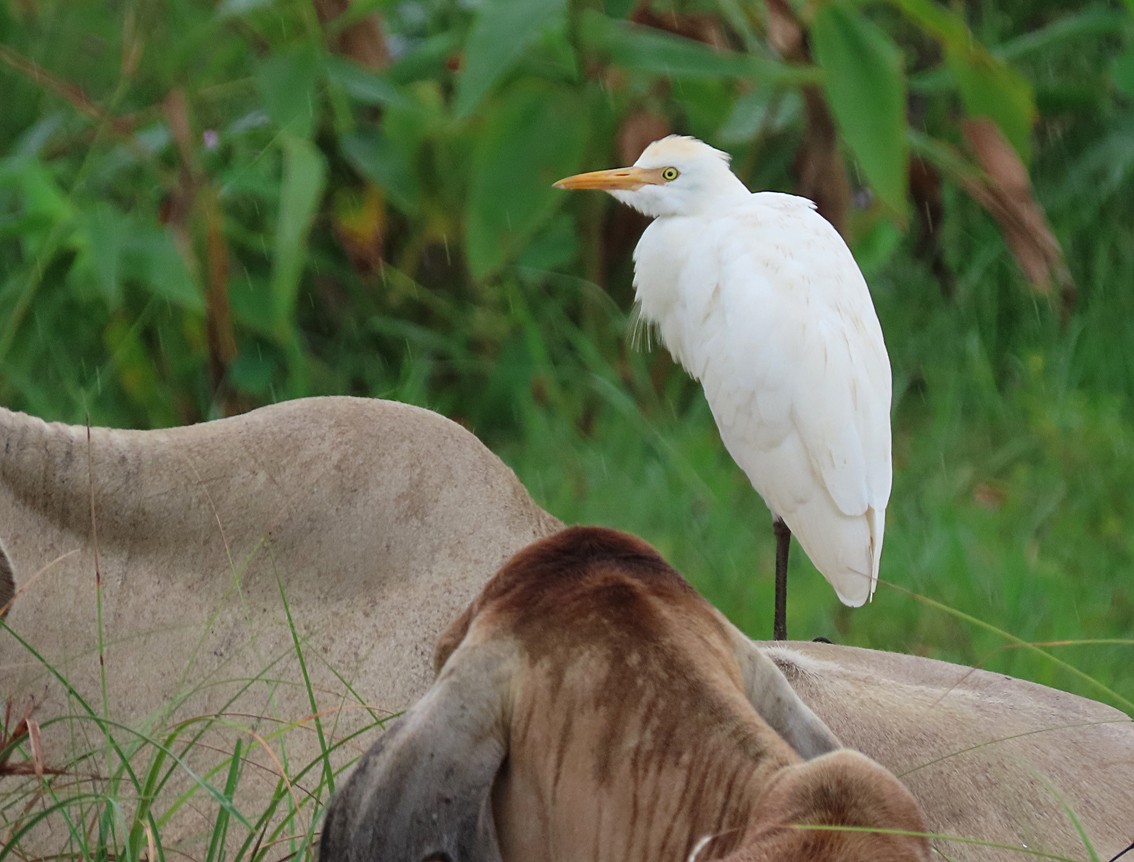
x: 624, y: 179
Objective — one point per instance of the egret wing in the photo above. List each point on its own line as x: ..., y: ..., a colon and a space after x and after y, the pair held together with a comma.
x: 778, y: 324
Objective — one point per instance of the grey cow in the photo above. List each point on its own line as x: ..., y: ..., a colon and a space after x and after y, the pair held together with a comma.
x: 380, y: 522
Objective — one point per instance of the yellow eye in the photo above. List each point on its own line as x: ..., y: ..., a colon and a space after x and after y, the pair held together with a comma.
x: 669, y: 174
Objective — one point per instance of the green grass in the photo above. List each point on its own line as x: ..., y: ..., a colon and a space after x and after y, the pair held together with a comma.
x: 1007, y: 547
x: 1013, y: 460
x: 1008, y: 544
x: 173, y: 784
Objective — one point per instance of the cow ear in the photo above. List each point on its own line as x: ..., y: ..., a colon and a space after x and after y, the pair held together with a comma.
x: 772, y: 696
x: 7, y: 582
x: 423, y: 793
x: 453, y: 635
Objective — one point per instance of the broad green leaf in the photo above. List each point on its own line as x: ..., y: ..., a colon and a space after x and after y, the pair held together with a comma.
x: 286, y: 82
x: 989, y: 86
x: 37, y: 188
x: 502, y: 31
x: 1122, y: 72
x: 935, y: 18
x: 866, y: 90
x: 426, y: 59
x: 253, y: 371
x: 151, y: 260
x: 390, y: 156
x: 251, y: 305
x: 363, y: 85
x: 619, y: 8
x: 304, y: 176
x: 105, y: 231
x: 705, y: 103
x: 875, y: 245
x: 531, y: 138
x: 644, y: 49
x: 45, y: 214
x: 374, y: 155
x: 554, y: 247
x: 134, y: 364
x: 755, y: 111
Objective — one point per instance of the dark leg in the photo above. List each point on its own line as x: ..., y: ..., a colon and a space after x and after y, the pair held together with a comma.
x: 783, y: 545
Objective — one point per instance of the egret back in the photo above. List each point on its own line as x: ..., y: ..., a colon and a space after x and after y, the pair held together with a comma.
x: 764, y: 304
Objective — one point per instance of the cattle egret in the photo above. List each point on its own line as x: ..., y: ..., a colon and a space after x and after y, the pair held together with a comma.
x: 759, y: 298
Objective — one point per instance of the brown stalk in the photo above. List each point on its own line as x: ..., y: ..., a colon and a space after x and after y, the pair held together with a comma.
x: 195, y: 216
x: 820, y: 170
x: 71, y: 93
x: 362, y: 41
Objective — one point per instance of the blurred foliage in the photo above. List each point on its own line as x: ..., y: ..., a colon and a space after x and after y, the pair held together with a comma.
x: 206, y: 206
x: 238, y: 210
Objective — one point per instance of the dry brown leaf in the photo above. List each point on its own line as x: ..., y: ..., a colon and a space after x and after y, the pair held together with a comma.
x: 362, y: 41
x: 785, y: 32
x: 990, y: 495
x: 359, y: 222
x: 1005, y: 191
x: 28, y: 727
x: 36, y: 742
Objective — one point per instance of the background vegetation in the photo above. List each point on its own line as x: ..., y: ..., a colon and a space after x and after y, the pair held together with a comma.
x: 208, y: 206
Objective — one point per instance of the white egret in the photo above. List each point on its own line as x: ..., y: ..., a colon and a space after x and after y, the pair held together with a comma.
x: 759, y: 298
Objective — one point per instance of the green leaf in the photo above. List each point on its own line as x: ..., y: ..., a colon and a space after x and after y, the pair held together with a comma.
x: 253, y: 371
x: 379, y: 159
x: 875, y: 246
x: 304, y: 176
x: 106, y: 230
x: 1122, y: 72
x: 252, y: 306
x: 757, y: 111
x: 866, y: 90
x: 502, y: 31
x: 644, y: 49
x: 554, y: 247
x: 151, y: 259
x: 619, y: 8
x: 1086, y: 26
x: 531, y: 139
x: 427, y: 59
x: 45, y: 218
x: 363, y: 85
x: 286, y: 82
x: 989, y: 86
x: 935, y: 18
x: 705, y: 103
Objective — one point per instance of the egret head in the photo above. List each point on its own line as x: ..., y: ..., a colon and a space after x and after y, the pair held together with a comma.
x: 674, y: 176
